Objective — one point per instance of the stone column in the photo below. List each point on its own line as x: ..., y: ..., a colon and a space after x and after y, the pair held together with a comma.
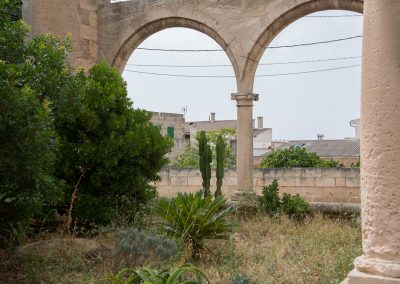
x: 244, y: 154
x: 380, y: 145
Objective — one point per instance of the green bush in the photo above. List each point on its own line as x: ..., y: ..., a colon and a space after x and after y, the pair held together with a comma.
x: 294, y: 157
x: 119, y: 149
x: 27, y: 156
x: 295, y: 206
x: 135, y: 248
x: 190, y: 157
x: 269, y: 201
x: 181, y: 275
x: 89, y: 117
x: 193, y: 218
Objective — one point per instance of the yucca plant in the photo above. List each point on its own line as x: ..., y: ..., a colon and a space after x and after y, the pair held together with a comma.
x: 193, y: 218
x: 149, y: 275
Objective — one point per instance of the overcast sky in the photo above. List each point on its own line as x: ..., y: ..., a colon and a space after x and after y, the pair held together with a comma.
x: 295, y: 106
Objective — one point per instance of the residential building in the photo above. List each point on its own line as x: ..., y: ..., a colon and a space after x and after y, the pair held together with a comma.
x: 173, y: 125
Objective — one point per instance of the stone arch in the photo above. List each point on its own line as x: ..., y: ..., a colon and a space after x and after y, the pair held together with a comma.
x: 285, y: 19
x: 153, y: 27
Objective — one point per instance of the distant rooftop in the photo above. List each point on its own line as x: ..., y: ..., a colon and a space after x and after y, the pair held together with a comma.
x: 168, y: 114
x: 328, y: 148
x: 213, y: 125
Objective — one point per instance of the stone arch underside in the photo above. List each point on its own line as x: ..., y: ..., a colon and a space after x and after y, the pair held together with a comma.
x: 138, y: 36
x: 242, y: 28
x: 283, y: 20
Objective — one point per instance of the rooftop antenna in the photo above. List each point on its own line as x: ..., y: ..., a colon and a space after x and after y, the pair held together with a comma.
x: 184, y: 111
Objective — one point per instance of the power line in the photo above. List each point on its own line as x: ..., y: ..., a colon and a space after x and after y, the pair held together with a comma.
x: 269, y: 47
x: 334, y: 16
x: 230, y: 65
x: 231, y: 76
x: 314, y: 43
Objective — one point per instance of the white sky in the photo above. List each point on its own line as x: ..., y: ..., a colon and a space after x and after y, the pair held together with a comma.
x: 295, y: 107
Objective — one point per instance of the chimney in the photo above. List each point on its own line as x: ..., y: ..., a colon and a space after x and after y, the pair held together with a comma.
x: 320, y: 136
x: 260, y: 122
x: 213, y: 117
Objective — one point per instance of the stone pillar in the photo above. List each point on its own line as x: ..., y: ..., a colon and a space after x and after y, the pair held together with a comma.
x: 380, y: 145
x: 244, y: 154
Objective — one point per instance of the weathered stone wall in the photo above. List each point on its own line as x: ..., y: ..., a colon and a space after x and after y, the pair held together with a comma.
x: 315, y: 185
x: 177, y: 121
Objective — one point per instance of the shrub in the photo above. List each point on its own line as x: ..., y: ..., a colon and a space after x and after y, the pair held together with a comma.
x: 117, y: 146
x: 294, y: 206
x: 296, y: 157
x: 181, y: 275
x: 269, y: 202
x: 190, y: 157
x: 193, y: 218
x: 27, y: 156
x: 135, y: 248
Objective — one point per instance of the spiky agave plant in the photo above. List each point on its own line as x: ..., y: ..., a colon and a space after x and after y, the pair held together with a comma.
x: 149, y: 275
x: 193, y: 218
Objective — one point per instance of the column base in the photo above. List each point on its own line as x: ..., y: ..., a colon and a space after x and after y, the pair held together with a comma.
x: 244, y: 197
x: 357, y: 277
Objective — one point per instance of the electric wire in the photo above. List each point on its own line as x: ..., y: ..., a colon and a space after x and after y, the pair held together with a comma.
x: 232, y: 76
x: 230, y: 65
x: 334, y: 16
x: 269, y: 47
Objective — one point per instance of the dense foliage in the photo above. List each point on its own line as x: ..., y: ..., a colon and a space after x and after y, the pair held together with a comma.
x: 193, y: 218
x: 294, y: 157
x: 27, y: 156
x: 58, y: 127
x: 269, y: 201
x: 119, y: 149
x: 294, y: 206
x: 27, y: 134
x: 190, y: 157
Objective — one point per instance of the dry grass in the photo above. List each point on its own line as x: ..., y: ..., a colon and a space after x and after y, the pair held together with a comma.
x: 261, y: 251
x: 279, y: 251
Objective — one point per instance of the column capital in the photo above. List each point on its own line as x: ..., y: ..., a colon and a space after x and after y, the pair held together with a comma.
x: 244, y: 99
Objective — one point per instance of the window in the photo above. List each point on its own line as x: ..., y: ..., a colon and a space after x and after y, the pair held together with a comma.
x: 170, y: 132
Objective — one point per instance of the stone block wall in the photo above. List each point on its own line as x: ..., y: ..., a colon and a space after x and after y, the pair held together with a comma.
x: 314, y: 184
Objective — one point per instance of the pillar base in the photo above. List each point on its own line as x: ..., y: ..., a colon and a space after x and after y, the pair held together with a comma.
x: 357, y: 277
x: 244, y: 197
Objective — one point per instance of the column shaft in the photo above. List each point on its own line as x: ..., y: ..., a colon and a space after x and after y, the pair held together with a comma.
x: 380, y: 144
x: 244, y: 154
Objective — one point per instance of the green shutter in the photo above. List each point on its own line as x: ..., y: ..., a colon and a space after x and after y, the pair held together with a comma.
x: 170, y: 132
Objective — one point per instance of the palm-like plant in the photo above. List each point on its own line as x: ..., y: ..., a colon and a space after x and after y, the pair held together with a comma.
x: 149, y: 275
x: 194, y: 218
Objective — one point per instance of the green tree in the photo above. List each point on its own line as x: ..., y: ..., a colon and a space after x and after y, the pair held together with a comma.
x: 295, y: 157
x: 27, y: 135
x: 119, y: 149
x: 89, y: 117
x: 190, y: 157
